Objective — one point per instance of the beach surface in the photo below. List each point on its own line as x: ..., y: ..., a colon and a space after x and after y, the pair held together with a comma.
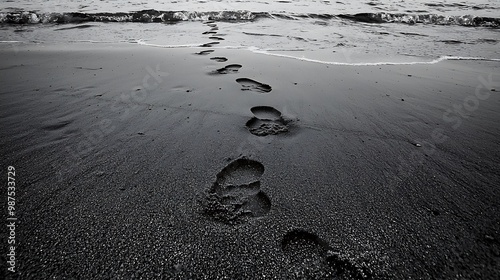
x: 135, y: 162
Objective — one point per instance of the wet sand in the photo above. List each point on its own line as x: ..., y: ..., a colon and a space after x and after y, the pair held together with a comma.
x: 140, y: 162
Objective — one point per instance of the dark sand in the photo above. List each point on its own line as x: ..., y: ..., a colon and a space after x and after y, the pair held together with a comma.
x: 126, y: 174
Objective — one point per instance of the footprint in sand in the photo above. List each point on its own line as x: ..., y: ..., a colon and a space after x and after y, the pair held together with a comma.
x: 231, y: 68
x: 209, y: 32
x: 205, y: 52
x: 219, y: 59
x: 57, y: 125
x: 267, y: 121
x: 215, y: 38
x: 236, y: 195
x: 249, y: 84
x: 208, y: 45
x: 312, y: 257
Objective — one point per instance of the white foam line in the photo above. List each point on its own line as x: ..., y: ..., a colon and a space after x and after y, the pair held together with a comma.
x: 434, y: 61
x: 233, y: 47
x: 266, y: 52
x: 197, y: 45
x: 10, y: 42
x: 92, y: 41
x: 140, y: 42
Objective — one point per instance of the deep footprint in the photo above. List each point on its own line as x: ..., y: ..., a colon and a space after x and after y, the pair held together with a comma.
x: 219, y: 59
x: 264, y: 128
x: 209, y: 32
x: 312, y: 256
x: 205, y: 52
x: 249, y: 84
x: 267, y: 121
x: 266, y: 113
x: 236, y: 195
x: 231, y: 68
x: 240, y: 172
x: 257, y: 205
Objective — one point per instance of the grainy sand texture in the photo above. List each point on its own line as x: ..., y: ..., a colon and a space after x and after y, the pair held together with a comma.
x: 136, y: 162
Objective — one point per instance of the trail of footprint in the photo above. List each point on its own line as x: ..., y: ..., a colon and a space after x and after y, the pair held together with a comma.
x: 236, y: 194
x: 267, y: 121
x: 205, y: 52
x: 231, y: 68
x: 249, y: 84
x: 312, y: 256
x: 219, y: 59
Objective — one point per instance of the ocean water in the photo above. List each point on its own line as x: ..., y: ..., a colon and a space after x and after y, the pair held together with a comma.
x: 334, y: 32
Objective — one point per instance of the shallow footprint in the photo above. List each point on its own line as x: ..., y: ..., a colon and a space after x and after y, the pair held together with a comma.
x: 249, y: 84
x: 211, y: 44
x: 231, y: 68
x: 216, y: 38
x: 267, y: 121
x: 205, y: 52
x: 57, y: 125
x: 219, y: 59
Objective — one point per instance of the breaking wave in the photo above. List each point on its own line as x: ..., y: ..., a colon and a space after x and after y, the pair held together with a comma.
x: 146, y: 16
